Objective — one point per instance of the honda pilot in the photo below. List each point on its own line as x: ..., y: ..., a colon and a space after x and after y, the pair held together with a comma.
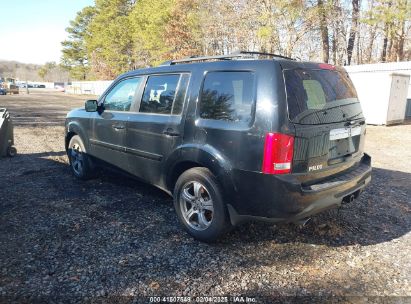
x: 233, y: 138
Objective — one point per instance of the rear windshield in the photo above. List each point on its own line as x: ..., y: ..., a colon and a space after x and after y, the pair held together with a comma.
x: 311, y: 92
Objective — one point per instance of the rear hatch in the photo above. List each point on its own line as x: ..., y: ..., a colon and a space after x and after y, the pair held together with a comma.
x: 329, y: 125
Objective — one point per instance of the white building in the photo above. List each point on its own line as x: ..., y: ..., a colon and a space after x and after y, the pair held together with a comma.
x: 383, y: 90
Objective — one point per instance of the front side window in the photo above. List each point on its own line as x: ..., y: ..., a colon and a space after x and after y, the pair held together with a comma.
x: 228, y: 96
x: 122, y: 95
x: 159, y: 94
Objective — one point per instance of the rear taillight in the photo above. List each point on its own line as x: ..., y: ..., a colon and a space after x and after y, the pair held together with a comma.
x: 278, y: 153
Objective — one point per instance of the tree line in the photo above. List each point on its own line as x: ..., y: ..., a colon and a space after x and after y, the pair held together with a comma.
x: 114, y: 36
x: 50, y: 71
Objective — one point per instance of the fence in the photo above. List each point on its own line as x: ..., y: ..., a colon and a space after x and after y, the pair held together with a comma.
x: 47, y: 85
x: 88, y: 87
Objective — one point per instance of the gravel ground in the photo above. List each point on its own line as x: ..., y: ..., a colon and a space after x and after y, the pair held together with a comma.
x: 114, y: 239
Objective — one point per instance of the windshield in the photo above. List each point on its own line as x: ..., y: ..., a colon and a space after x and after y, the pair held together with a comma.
x: 320, y: 96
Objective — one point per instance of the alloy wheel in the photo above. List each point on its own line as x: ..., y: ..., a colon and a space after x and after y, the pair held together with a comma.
x: 196, y: 205
x: 77, y: 159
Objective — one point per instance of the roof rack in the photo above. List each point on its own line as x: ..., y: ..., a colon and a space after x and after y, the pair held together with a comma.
x: 230, y: 56
x: 262, y: 54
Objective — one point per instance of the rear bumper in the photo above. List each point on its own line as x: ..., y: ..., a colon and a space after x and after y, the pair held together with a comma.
x: 276, y: 198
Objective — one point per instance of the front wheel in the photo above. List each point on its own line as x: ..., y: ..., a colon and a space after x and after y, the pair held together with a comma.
x: 199, y: 204
x: 80, y: 162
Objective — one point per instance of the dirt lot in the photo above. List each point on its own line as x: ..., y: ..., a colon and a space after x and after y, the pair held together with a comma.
x: 117, y: 239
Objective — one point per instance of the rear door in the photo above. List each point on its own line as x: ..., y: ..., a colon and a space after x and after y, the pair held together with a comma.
x: 109, y: 126
x: 225, y: 115
x: 155, y: 127
x: 327, y: 116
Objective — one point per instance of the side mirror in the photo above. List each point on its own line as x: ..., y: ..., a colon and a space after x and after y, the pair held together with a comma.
x: 91, y: 105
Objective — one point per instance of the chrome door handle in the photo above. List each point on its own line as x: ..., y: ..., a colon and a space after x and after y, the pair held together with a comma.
x: 171, y: 132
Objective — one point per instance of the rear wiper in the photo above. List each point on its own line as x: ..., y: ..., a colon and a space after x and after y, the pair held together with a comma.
x: 354, y: 123
x: 337, y: 106
x: 349, y: 118
x: 324, y: 110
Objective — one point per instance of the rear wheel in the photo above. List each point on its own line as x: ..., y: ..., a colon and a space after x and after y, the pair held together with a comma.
x: 80, y: 162
x: 199, y: 204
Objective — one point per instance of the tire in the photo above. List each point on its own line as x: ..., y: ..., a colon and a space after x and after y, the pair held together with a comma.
x: 204, y: 220
x: 80, y: 163
x: 11, y: 151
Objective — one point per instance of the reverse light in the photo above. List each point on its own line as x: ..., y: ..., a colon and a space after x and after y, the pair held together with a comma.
x: 278, y: 153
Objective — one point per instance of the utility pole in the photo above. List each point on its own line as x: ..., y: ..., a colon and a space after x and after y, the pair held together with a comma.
x: 27, y: 84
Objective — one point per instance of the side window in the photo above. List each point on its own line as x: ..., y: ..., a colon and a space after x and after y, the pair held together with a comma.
x: 181, y: 94
x: 159, y: 94
x: 122, y: 95
x: 228, y: 96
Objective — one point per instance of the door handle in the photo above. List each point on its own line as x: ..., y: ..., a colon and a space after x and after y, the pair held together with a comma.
x: 171, y: 132
x: 119, y: 127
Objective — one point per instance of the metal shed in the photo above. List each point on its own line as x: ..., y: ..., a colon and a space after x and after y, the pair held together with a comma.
x: 383, y: 90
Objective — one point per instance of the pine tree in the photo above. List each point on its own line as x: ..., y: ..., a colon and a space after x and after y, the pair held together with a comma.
x: 109, y: 45
x: 149, y: 20
x: 75, y: 56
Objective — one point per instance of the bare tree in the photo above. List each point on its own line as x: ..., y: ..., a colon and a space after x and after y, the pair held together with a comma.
x: 353, y: 29
x: 324, y: 31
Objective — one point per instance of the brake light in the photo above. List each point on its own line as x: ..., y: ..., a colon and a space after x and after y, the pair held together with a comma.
x: 326, y: 66
x: 278, y: 153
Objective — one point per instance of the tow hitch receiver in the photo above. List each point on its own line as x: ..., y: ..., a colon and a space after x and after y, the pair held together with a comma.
x: 350, y: 198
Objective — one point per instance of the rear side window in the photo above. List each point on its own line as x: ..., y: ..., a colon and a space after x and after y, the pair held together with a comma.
x: 159, y: 94
x: 317, y: 89
x: 227, y: 96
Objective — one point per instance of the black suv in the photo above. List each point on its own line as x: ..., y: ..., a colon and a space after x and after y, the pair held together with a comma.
x: 245, y: 136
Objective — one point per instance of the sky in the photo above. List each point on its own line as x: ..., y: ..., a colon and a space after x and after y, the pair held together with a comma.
x: 31, y: 30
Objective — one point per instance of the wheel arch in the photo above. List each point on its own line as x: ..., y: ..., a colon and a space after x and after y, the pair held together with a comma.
x: 69, y: 136
x: 73, y: 128
x: 191, y: 156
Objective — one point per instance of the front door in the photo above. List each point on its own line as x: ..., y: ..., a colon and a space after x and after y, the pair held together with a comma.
x: 157, y: 127
x: 109, y: 126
